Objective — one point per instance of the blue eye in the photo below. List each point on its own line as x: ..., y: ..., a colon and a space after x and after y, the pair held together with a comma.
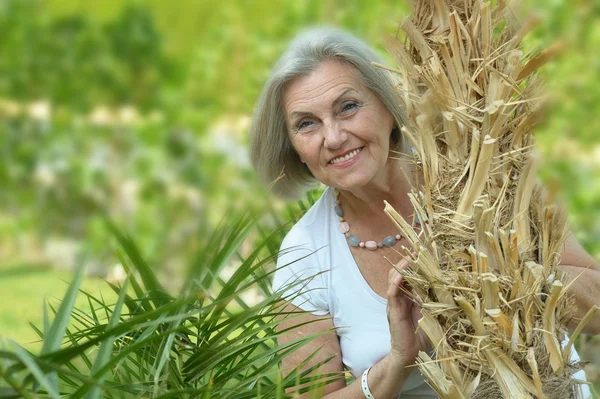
x: 303, y: 124
x: 349, y: 106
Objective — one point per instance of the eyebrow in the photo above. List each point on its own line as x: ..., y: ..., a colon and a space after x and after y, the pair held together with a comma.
x: 335, y: 102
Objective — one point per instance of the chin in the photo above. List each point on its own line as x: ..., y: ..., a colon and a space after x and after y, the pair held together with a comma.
x: 352, y: 185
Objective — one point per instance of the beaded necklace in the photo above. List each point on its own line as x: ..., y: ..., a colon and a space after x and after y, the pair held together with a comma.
x: 353, y: 240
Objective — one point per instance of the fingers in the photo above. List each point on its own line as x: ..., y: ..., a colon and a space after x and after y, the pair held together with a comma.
x: 402, y: 265
x: 393, y: 292
x: 393, y: 275
x: 396, y: 286
x: 400, y: 294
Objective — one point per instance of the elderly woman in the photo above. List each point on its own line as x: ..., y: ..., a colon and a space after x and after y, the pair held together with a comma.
x: 327, y: 115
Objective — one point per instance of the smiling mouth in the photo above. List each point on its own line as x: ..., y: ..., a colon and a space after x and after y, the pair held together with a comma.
x: 346, y: 157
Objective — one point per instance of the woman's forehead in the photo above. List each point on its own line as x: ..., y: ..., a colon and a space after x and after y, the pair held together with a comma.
x: 322, y: 85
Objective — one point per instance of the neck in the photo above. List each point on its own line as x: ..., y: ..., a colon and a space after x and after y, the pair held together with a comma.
x: 392, y: 185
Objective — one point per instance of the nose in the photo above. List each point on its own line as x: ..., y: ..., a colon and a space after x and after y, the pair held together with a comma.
x: 334, y: 136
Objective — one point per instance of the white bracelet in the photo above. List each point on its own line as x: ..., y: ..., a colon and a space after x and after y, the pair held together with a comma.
x: 365, y: 385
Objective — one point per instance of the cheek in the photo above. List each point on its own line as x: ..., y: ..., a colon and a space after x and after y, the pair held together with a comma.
x: 305, y: 149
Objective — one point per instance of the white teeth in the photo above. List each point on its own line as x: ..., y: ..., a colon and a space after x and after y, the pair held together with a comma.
x: 346, y: 157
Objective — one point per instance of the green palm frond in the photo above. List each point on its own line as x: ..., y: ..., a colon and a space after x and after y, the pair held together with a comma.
x: 204, y: 342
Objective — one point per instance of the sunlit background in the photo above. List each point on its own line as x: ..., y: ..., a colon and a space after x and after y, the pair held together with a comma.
x: 140, y: 110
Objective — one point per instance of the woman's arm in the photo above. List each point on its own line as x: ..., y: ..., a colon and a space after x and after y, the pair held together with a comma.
x: 580, y: 265
x: 386, y: 377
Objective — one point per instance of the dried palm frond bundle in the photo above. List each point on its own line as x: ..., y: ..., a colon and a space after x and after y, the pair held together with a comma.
x: 484, y: 265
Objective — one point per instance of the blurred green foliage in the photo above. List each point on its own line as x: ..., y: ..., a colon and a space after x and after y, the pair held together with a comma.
x: 75, y: 62
x: 140, y: 109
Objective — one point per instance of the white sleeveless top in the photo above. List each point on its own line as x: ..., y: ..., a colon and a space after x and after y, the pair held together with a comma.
x: 358, y: 313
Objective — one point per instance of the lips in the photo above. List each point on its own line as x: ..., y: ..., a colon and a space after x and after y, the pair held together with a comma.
x: 346, y: 157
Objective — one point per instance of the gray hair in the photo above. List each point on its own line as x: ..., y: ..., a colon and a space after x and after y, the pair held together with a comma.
x: 271, y: 152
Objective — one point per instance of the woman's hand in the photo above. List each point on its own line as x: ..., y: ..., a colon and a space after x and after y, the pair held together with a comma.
x: 403, y: 315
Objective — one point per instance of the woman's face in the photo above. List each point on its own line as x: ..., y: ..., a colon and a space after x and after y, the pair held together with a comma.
x: 338, y: 126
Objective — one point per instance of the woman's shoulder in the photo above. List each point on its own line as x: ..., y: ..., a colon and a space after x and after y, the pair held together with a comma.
x: 312, y: 226
x: 301, y: 257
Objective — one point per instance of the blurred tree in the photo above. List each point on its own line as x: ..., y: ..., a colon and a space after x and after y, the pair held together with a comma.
x: 136, y: 43
x: 76, y: 62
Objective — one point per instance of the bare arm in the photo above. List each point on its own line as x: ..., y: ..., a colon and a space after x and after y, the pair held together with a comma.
x: 386, y: 377
x: 580, y: 265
